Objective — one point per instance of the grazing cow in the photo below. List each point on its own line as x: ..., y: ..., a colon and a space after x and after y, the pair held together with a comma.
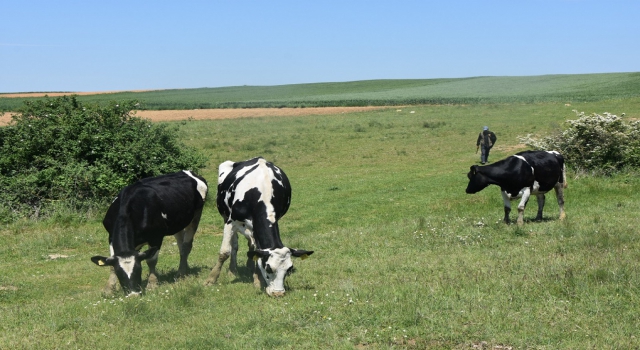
x: 145, y: 212
x: 521, y: 175
x: 252, y: 196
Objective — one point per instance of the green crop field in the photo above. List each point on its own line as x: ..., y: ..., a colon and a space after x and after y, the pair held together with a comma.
x: 403, y: 257
x: 531, y: 89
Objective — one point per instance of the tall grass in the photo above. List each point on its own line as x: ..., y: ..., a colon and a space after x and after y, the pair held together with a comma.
x: 403, y: 257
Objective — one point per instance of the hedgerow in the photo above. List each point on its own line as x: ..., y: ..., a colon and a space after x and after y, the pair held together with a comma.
x: 58, y: 149
x: 597, y: 143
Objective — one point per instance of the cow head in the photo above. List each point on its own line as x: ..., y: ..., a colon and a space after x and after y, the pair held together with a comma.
x: 477, y: 180
x: 275, y: 265
x: 128, y: 268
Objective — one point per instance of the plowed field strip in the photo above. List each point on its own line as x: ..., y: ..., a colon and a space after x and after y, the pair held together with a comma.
x: 204, y: 114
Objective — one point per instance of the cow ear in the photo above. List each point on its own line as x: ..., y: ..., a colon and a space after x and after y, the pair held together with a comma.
x: 474, y: 169
x: 257, y: 254
x: 149, y: 253
x: 102, y: 260
x: 302, y: 254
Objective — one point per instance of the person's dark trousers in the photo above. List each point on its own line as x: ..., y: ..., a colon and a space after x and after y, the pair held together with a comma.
x: 484, y: 156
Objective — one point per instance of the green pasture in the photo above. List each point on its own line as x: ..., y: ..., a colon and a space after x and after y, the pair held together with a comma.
x: 403, y: 257
x: 529, y: 89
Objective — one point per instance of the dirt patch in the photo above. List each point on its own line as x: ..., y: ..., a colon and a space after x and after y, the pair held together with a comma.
x: 204, y: 114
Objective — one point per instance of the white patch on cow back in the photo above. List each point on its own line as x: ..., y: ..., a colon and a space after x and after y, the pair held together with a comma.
x: 524, y: 160
x: 127, y: 264
x: 260, y: 178
x: 201, y: 186
x: 223, y: 170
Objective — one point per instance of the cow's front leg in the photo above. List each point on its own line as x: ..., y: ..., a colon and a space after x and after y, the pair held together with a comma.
x: 152, y: 282
x: 257, y: 282
x: 507, y: 206
x: 112, y: 282
x: 225, y: 252
x: 253, y: 265
x: 184, y: 239
x: 541, y: 200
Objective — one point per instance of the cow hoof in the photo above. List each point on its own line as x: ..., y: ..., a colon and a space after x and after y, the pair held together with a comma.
x: 152, y: 283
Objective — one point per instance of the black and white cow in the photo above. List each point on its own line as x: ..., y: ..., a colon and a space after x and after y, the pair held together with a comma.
x: 143, y: 214
x: 252, y: 196
x: 521, y: 175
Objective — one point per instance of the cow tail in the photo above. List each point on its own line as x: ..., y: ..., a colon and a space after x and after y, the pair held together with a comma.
x: 564, y: 176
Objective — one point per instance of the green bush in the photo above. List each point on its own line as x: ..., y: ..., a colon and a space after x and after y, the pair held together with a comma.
x: 601, y: 143
x: 57, y: 149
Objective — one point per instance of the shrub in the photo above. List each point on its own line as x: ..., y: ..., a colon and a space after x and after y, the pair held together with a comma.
x: 60, y: 150
x: 601, y: 143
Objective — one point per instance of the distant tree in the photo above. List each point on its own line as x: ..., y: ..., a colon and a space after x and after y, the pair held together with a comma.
x: 57, y: 149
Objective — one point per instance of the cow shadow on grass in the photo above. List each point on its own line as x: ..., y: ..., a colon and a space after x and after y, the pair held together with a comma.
x: 172, y: 276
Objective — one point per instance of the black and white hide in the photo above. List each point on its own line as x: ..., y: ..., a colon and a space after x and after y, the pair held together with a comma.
x: 520, y: 176
x: 252, y: 196
x: 143, y: 214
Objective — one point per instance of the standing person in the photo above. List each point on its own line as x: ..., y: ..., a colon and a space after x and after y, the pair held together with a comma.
x: 486, y: 140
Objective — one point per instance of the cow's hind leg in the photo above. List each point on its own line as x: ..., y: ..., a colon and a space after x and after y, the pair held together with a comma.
x: 507, y: 206
x: 559, y: 188
x: 184, y: 239
x: 153, y: 278
x: 540, y: 197
x: 225, y: 252
x: 526, y: 193
x: 233, y: 263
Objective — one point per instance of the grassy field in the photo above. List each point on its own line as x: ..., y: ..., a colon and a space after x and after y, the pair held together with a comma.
x: 403, y: 257
x: 529, y: 89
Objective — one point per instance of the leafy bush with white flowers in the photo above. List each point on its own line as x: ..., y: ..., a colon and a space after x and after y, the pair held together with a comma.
x: 601, y: 143
x: 58, y: 150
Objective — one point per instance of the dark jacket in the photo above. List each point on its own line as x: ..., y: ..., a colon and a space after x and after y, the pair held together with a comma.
x: 487, y: 138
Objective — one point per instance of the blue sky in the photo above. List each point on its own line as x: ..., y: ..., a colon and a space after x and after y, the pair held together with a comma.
x: 130, y: 45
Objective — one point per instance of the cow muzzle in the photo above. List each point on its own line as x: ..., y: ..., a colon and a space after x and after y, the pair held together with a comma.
x: 275, y: 293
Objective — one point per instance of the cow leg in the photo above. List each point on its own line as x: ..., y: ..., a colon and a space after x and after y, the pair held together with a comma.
x: 526, y: 193
x: 153, y: 278
x: 112, y: 282
x: 250, y: 261
x: 254, y: 266
x: 541, y: 200
x: 233, y: 263
x: 225, y: 252
x: 184, y: 239
x: 559, y: 187
x: 507, y: 206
